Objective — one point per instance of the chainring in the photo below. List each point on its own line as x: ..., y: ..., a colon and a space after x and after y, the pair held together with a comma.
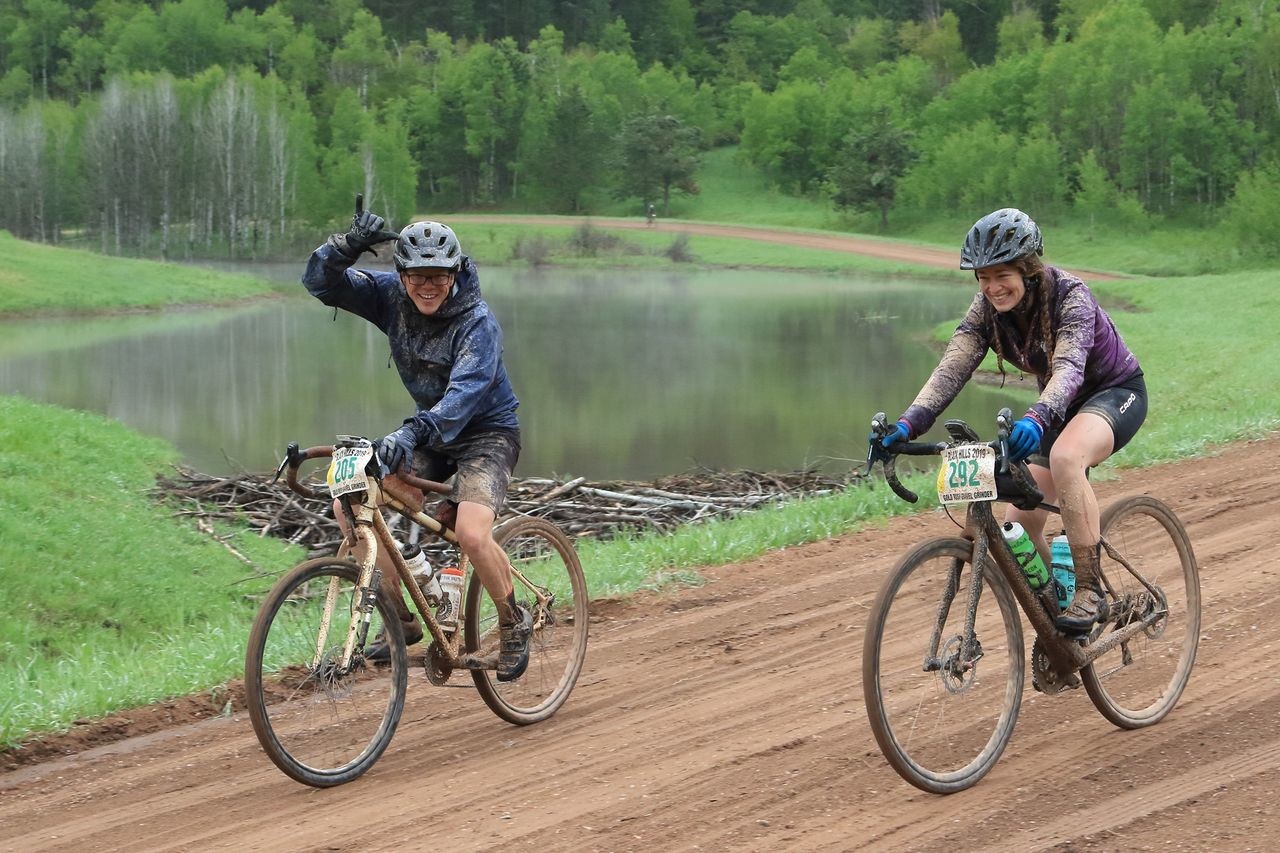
x: 438, y: 671
x: 1044, y: 678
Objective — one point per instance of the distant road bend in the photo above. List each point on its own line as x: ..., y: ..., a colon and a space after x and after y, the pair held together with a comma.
x: 855, y: 245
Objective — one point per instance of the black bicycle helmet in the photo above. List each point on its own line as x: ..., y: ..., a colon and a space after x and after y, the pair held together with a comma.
x: 429, y: 245
x: 1000, y: 237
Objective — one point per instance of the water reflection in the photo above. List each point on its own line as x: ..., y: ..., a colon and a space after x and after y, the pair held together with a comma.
x: 621, y: 374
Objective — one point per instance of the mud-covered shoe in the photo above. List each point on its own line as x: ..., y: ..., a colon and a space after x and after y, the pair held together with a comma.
x: 1088, y: 608
x: 513, y: 653
x: 379, y: 651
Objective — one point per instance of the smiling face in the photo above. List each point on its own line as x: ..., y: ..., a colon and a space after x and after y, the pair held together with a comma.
x: 1003, y: 286
x: 427, y: 288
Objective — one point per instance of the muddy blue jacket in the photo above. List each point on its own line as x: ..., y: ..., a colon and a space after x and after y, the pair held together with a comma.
x: 1089, y: 355
x: 450, y: 362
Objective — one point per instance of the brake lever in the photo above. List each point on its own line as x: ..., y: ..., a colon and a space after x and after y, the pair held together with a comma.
x: 879, y: 428
x: 1004, y: 422
x: 291, y: 454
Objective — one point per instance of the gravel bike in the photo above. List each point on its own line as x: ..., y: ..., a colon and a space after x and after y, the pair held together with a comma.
x: 943, y: 684
x: 323, y: 712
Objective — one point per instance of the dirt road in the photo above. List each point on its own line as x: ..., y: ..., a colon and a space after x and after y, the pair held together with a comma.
x: 852, y: 244
x: 731, y: 717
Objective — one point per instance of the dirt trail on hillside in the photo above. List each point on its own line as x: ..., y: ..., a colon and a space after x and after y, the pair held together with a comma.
x: 869, y: 246
x: 731, y: 717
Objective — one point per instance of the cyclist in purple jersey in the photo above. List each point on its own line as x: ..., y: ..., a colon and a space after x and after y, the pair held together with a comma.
x: 1092, y: 395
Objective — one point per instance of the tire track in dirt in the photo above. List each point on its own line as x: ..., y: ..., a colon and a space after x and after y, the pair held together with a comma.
x: 730, y: 716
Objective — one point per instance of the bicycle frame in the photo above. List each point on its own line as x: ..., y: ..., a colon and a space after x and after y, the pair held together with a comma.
x: 1065, y: 654
x: 368, y: 527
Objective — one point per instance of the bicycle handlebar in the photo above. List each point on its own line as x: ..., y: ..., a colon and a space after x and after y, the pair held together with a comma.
x: 1030, y: 497
x: 293, y: 459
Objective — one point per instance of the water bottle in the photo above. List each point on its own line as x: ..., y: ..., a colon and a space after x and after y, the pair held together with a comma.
x: 1026, y: 555
x: 451, y: 600
x: 423, y: 572
x: 1064, y: 571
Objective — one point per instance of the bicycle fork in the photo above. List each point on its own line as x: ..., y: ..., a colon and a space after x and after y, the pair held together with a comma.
x: 960, y: 661
x: 365, y: 597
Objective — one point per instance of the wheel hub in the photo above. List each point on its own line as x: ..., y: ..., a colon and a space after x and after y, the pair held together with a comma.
x: 957, y: 669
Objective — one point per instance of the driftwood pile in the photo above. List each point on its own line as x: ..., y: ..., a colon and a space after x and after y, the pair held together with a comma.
x: 581, y: 508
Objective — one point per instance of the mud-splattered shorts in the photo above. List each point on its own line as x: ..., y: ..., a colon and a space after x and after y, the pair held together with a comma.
x: 480, y: 462
x: 1124, y: 407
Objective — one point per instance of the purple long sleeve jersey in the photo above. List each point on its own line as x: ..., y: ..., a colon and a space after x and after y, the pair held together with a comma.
x: 1089, y: 355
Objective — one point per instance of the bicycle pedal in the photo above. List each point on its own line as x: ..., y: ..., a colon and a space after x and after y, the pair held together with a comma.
x: 474, y: 661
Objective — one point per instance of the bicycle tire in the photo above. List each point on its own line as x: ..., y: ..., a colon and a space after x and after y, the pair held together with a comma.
x: 926, y: 726
x: 1149, y: 535
x: 558, y: 647
x: 319, y: 728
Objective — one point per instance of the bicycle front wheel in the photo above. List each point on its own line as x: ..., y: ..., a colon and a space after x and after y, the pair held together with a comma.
x: 320, y: 723
x: 942, y: 721
x: 548, y: 580
x: 1138, y: 683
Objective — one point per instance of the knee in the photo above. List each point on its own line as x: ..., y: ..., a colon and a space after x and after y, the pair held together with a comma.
x: 473, y: 537
x: 1067, y: 462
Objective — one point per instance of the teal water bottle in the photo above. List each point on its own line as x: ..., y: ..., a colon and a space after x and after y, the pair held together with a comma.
x: 1024, y: 551
x: 1064, y: 571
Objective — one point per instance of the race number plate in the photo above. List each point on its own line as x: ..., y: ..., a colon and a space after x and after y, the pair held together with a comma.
x: 346, y: 469
x: 967, y: 475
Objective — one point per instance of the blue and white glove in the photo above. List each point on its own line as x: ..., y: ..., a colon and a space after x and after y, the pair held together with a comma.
x: 395, y: 449
x: 1024, y: 438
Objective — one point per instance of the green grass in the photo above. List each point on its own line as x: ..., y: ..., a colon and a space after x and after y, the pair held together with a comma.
x: 112, y: 603
x: 38, y: 278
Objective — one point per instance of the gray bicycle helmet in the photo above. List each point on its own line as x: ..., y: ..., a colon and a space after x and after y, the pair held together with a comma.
x: 1000, y: 237
x: 427, y: 244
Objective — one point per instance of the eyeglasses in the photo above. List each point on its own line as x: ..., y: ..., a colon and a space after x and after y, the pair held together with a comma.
x: 422, y: 279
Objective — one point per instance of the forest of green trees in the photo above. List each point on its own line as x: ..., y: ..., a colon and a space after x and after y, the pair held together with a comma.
x: 189, y: 127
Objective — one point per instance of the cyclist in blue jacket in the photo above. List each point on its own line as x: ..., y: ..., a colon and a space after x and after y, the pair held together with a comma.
x: 447, y: 347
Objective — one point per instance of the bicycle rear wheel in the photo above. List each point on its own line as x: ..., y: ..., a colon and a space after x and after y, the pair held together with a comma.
x: 1138, y: 683
x: 942, y: 730
x: 541, y: 553
x: 321, y: 725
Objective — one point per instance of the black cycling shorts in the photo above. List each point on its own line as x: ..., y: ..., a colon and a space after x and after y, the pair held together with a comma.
x: 1124, y: 407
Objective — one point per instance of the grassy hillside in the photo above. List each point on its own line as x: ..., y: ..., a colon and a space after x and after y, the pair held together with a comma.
x: 111, y: 602
x: 38, y: 278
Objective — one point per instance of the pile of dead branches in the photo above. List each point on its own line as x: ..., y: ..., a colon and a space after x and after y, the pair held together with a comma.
x: 581, y: 508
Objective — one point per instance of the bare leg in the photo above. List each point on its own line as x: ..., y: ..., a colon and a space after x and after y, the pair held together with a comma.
x: 1085, y: 442
x: 475, y: 535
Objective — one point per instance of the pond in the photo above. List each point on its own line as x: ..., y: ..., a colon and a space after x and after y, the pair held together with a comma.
x: 621, y: 374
